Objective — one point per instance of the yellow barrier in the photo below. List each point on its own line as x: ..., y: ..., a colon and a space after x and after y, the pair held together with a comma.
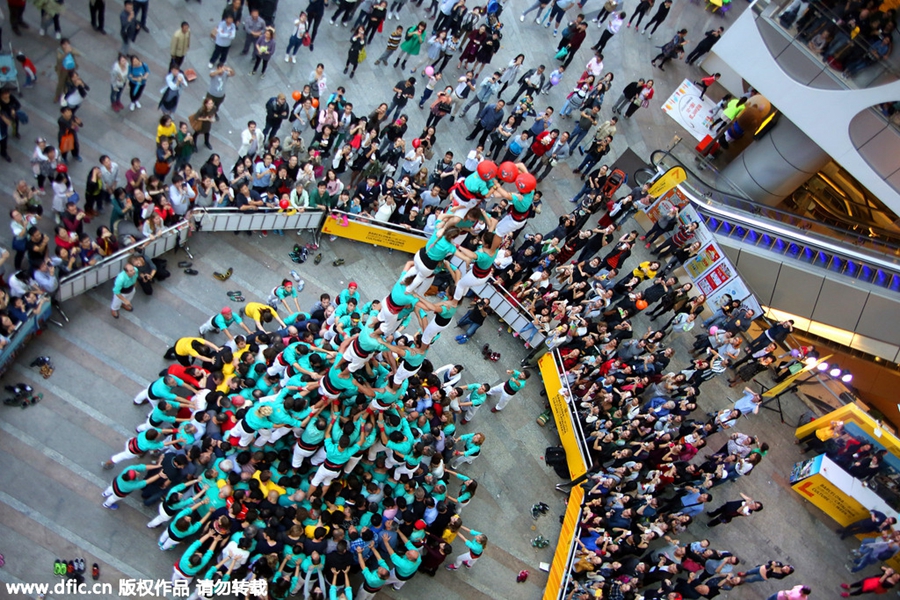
x: 561, y: 415
x: 373, y: 234
x: 560, y: 564
x: 669, y: 180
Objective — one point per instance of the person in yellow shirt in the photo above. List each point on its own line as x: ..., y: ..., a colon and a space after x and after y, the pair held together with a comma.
x: 261, y: 313
x: 646, y: 270
x: 187, y: 349
x: 166, y: 128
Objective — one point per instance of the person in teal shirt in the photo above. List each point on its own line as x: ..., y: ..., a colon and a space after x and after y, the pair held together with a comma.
x: 282, y: 293
x: 400, y: 298
x: 194, y: 558
x: 123, y: 289
x: 130, y: 480
x: 436, y: 250
x: 440, y: 321
x: 185, y: 524
x: 477, y: 396
x: 146, y: 441
x: 411, y: 360
x: 471, y: 448
x: 478, y: 264
x: 164, y: 389
x: 373, y: 579
x: 509, y: 388
x: 348, y: 293
x: 475, y: 545
x: 405, y: 565
x: 340, y: 593
x: 221, y: 321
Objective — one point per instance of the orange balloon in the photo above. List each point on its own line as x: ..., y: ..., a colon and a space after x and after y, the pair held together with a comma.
x: 315, y: 102
x: 296, y: 95
x: 641, y: 304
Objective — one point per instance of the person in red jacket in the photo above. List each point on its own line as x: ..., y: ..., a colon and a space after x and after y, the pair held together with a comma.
x: 542, y: 144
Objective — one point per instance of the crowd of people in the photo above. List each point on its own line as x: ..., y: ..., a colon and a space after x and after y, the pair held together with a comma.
x: 315, y: 445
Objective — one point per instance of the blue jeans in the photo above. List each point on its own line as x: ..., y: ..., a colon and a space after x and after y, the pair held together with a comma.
x: 470, y: 326
x: 588, y: 163
x: 293, y: 45
x: 567, y: 108
x: 577, y: 135
x: 530, y: 330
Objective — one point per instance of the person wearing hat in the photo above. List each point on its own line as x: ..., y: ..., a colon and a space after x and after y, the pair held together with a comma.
x: 282, y: 293
x: 221, y: 321
x: 348, y: 293
x: 129, y: 480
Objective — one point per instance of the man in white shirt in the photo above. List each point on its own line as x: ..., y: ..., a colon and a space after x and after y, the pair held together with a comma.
x: 251, y: 140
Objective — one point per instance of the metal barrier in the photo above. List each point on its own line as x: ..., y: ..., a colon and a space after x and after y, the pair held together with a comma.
x: 90, y: 277
x: 209, y: 220
x: 26, y: 330
x: 232, y: 219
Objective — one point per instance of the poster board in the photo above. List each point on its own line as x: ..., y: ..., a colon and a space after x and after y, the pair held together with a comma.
x: 688, y: 109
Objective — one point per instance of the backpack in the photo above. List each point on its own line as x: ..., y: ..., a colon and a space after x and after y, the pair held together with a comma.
x: 555, y: 457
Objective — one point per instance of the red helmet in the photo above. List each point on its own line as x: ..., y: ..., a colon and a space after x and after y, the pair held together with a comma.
x: 508, y: 171
x: 487, y: 170
x: 526, y: 183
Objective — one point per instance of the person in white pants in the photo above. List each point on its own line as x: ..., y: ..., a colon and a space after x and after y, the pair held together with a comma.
x: 508, y: 388
x: 475, y: 547
x: 123, y: 289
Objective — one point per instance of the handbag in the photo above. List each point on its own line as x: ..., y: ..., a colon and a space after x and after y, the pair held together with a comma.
x: 67, y: 142
x: 563, y: 53
x: 161, y: 168
x: 73, y: 198
x: 362, y: 56
x: 307, y: 40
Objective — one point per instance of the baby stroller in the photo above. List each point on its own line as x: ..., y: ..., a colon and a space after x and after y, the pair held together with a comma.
x: 9, y: 74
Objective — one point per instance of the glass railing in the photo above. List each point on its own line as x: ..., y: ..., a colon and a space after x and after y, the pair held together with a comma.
x: 830, y: 39
x: 739, y: 218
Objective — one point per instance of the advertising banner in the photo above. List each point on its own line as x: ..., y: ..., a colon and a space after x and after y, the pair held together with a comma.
x: 689, y: 110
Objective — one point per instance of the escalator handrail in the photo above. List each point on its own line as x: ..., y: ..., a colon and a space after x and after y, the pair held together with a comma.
x: 799, y: 239
x: 757, y: 221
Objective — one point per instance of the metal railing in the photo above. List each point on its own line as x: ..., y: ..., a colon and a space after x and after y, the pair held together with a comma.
x: 23, y: 333
x: 739, y: 218
x: 841, y: 47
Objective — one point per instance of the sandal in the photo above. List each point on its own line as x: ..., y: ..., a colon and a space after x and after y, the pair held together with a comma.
x: 318, y: 258
x: 185, y: 264
x: 235, y: 293
x: 191, y: 271
x: 115, y: 314
x: 237, y: 298
x: 338, y: 262
x: 223, y: 276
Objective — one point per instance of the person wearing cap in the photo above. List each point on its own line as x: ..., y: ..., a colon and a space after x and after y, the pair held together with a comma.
x: 348, y: 293
x: 221, y: 321
x: 129, y: 480
x: 281, y: 293
x: 475, y: 546
x: 508, y: 389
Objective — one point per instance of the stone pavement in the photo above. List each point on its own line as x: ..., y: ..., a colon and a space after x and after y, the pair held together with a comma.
x: 51, y: 482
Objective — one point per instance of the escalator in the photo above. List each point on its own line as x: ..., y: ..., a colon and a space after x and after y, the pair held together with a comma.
x: 738, y: 221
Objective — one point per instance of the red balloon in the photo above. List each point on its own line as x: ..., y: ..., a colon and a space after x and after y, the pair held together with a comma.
x: 508, y: 171
x: 284, y: 204
x: 416, y: 142
x: 296, y: 95
x: 525, y: 182
x: 487, y: 170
